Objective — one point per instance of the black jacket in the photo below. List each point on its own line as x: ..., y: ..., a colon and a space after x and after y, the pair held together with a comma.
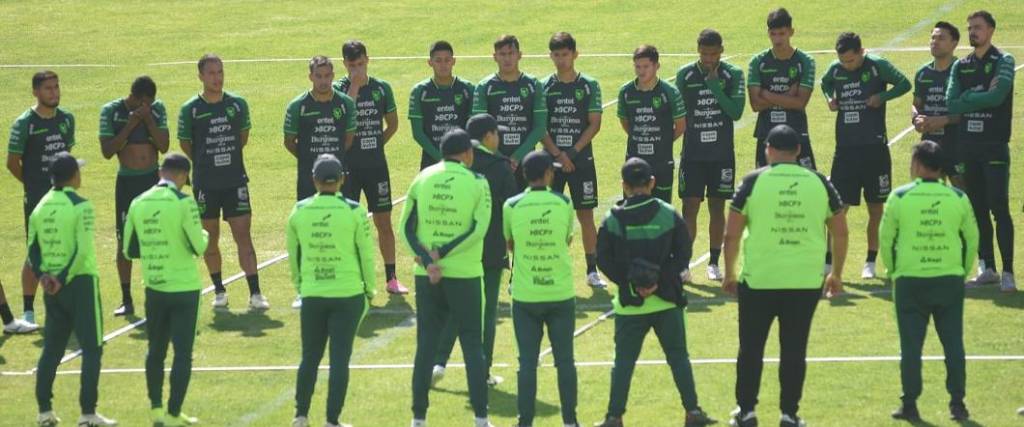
x: 498, y: 171
x: 655, y: 233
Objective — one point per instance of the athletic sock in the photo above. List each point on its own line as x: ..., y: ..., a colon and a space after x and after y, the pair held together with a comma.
x: 828, y: 257
x: 126, y: 293
x: 872, y: 255
x: 254, y: 283
x: 5, y: 313
x: 28, y: 302
x: 389, y: 272
x: 218, y: 284
x: 715, y: 253
x: 591, y: 263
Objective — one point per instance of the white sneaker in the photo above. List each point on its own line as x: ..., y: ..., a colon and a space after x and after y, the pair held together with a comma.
x: 220, y: 300
x: 494, y: 380
x: 825, y: 271
x: 868, y: 272
x: 714, y: 272
x: 685, y: 276
x: 19, y: 326
x: 300, y: 422
x: 986, y: 276
x: 339, y: 424
x: 297, y: 304
x: 181, y: 420
x: 258, y: 302
x: 1007, y: 284
x: 47, y: 419
x: 95, y: 420
x: 595, y: 281
x: 418, y: 423
x: 482, y: 422
x: 437, y: 375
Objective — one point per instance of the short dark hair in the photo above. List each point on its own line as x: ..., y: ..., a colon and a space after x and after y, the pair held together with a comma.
x: 319, y: 61
x: 42, y: 76
x: 983, y: 14
x: 441, y: 46
x: 953, y: 31
x: 144, y: 86
x: 710, y: 38
x: 506, y: 40
x: 848, y: 41
x: 562, y: 40
x: 207, y: 58
x: 929, y: 154
x: 353, y: 50
x: 646, y: 51
x: 779, y: 18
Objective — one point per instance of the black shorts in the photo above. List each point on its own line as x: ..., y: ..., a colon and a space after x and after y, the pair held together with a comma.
x: 304, y: 187
x: 234, y: 202
x: 866, y: 167
x: 987, y: 174
x: 952, y: 163
x: 715, y: 179
x: 32, y: 198
x: 375, y: 182
x: 805, y: 159
x: 664, y: 175
x: 126, y: 189
x: 582, y: 183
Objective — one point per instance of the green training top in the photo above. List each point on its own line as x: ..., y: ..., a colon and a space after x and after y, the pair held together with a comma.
x: 60, y: 236
x: 163, y: 230
x: 330, y: 250
x: 37, y: 139
x: 215, y: 133
x: 540, y: 224
x: 928, y: 230
x: 660, y: 226
x: 520, y: 105
x: 449, y: 209
x: 981, y: 90
x: 319, y: 127
x: 711, y: 108
x: 776, y: 75
x: 856, y: 123
x: 786, y: 207
x: 114, y: 117
x: 374, y: 101
x: 435, y: 109
x: 569, y: 108
x: 651, y: 115
x: 930, y: 87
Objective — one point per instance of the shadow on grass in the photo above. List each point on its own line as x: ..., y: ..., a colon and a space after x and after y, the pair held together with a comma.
x: 873, y: 290
x: 249, y: 323
x: 3, y: 339
x: 994, y: 295
x: 700, y: 303
x: 599, y: 301
x: 503, y: 403
x: 398, y: 307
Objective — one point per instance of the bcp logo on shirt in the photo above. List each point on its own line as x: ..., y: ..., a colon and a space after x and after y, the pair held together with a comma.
x: 851, y: 117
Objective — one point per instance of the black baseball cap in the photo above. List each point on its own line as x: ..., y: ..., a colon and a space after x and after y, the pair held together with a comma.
x: 637, y: 172
x: 536, y: 163
x: 63, y: 167
x: 456, y: 141
x: 328, y: 168
x: 480, y: 124
x: 783, y: 137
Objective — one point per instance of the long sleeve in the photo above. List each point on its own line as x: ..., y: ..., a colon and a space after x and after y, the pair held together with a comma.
x: 506, y: 221
x: 408, y: 223
x: 608, y: 260
x: 540, y: 123
x: 732, y: 103
x: 367, y: 253
x: 85, y: 245
x: 828, y: 82
x: 423, y: 139
x: 969, y: 233
x: 294, y: 252
x: 198, y: 238
x: 682, y: 248
x: 891, y: 75
x: 478, y: 229
x: 35, y: 253
x: 995, y: 95
x: 887, y: 233
x: 130, y: 242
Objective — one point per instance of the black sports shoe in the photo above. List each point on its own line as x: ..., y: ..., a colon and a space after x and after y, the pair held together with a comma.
x: 126, y: 309
x: 610, y: 422
x: 791, y: 421
x: 907, y: 412
x: 958, y: 412
x: 740, y: 419
x: 698, y: 418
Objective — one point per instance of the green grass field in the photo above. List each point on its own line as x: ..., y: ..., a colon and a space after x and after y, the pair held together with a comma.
x: 120, y: 40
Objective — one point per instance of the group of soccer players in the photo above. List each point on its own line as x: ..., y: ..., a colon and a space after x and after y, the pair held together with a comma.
x: 485, y: 192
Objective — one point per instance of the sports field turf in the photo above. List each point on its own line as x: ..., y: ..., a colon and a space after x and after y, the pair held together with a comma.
x: 99, y: 47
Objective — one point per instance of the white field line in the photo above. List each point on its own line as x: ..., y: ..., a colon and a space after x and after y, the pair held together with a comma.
x: 910, y: 128
x: 406, y: 366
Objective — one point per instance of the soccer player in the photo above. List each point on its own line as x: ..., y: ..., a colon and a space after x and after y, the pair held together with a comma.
x: 981, y: 91
x: 496, y: 168
x: 438, y: 104
x: 516, y: 100
x: 162, y: 229
x: 780, y: 213
x: 643, y: 247
x: 652, y: 113
x: 331, y: 254
x: 12, y: 325
x: 713, y: 94
x: 36, y: 136
x: 213, y: 128
x: 930, y: 114
x: 319, y: 121
x: 62, y: 255
x: 538, y: 226
x: 368, y: 167
x: 574, y: 118
x: 444, y: 221
x: 135, y: 129
x: 929, y: 242
x: 857, y: 86
x: 779, y: 84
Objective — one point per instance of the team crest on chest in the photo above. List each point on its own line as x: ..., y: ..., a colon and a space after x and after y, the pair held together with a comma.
x: 336, y: 112
x: 524, y: 92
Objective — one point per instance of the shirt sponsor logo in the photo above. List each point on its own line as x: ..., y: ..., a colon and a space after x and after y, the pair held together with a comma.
x: 645, y: 149
x: 975, y: 126
x: 851, y: 117
x: 777, y: 116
